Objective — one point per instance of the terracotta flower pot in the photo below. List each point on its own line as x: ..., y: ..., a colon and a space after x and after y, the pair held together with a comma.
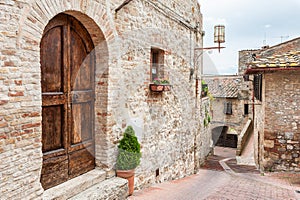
x: 129, y: 175
x: 167, y: 87
x: 160, y: 87
x: 156, y: 88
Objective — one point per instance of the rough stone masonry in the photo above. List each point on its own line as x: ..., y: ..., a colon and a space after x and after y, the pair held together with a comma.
x: 169, y: 125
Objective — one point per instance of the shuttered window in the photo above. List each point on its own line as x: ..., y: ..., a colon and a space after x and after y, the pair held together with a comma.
x: 227, y: 108
x: 257, y: 85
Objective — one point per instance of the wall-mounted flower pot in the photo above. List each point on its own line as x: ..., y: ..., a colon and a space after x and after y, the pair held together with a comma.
x: 160, y: 87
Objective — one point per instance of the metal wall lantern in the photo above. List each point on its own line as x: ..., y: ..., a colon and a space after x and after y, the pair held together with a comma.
x: 219, y: 35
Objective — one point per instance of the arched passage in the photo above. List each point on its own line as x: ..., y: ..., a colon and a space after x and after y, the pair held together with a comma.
x: 222, y: 138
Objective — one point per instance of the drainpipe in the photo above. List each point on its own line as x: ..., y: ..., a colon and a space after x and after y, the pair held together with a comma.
x: 253, y: 104
x: 122, y: 5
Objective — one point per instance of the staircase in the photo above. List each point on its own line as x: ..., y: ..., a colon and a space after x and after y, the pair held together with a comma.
x: 245, y: 147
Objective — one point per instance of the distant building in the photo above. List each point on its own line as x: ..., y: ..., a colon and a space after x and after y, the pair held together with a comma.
x: 230, y: 108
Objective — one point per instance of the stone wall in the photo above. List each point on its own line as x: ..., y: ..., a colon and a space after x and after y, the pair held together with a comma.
x: 168, y: 124
x: 259, y: 134
x: 235, y: 121
x: 162, y: 121
x: 270, y: 154
x: 204, y: 143
x: 282, y: 122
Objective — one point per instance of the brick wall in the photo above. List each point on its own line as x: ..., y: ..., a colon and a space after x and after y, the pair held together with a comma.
x: 20, y: 109
x: 272, y: 150
x: 282, y: 121
x: 123, y: 42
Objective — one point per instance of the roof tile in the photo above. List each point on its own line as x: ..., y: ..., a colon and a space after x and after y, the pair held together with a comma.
x: 289, y: 59
x: 223, y: 87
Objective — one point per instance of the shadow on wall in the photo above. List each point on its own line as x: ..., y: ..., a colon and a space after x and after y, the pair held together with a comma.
x: 221, y: 137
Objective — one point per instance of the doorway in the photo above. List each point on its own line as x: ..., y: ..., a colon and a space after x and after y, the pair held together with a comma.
x: 68, y: 95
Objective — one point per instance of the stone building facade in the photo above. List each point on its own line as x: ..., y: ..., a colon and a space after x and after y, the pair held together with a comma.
x: 230, y: 108
x: 125, y: 36
x: 275, y: 74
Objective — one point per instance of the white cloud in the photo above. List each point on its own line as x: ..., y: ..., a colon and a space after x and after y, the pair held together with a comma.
x: 267, y: 25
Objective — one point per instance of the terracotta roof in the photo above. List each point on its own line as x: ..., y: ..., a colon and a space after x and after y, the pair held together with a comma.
x: 289, y: 60
x: 223, y: 87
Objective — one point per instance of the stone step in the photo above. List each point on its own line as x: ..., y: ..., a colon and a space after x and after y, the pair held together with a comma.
x: 74, y: 186
x: 111, y: 189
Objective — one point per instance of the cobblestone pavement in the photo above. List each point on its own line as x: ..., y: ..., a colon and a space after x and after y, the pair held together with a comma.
x: 220, y: 178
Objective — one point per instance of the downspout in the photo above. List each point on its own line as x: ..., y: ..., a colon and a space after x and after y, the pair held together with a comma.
x: 253, y: 98
x: 122, y: 5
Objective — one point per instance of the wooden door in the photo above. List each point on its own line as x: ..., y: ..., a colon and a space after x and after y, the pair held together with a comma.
x: 67, y: 66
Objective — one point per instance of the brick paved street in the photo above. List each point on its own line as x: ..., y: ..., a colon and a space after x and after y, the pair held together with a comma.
x: 235, y: 183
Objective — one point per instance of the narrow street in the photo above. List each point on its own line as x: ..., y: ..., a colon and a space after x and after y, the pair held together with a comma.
x: 221, y: 178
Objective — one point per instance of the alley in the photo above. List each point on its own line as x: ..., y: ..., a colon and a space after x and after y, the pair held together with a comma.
x: 221, y: 178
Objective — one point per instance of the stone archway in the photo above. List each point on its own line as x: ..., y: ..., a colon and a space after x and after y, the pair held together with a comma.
x: 96, y: 25
x: 34, y: 16
x: 222, y: 138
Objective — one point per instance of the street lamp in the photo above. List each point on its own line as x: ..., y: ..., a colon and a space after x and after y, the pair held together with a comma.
x: 219, y: 35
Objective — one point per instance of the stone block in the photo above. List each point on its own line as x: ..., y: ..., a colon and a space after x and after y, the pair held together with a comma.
x: 289, y: 135
x: 281, y: 149
x: 292, y: 142
x: 274, y: 156
x: 111, y: 189
x: 290, y: 147
x: 270, y: 135
x: 282, y: 141
x: 295, y: 155
x: 75, y: 185
x: 269, y: 143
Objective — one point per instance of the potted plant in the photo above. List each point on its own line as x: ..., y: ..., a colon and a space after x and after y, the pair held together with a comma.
x: 128, y: 157
x: 160, y: 85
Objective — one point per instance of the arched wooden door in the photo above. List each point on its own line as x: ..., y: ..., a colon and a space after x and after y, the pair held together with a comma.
x: 67, y: 66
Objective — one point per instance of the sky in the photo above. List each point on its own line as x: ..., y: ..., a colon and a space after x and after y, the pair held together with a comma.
x: 248, y: 25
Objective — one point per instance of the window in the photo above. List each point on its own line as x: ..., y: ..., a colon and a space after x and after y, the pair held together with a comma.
x: 257, y: 85
x: 227, y: 108
x: 246, y: 109
x: 246, y: 78
x: 157, y: 61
